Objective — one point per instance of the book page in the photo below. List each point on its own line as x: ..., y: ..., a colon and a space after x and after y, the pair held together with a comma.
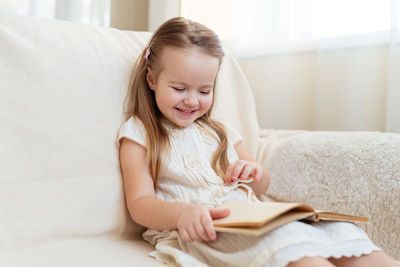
x: 332, y: 216
x: 256, y: 214
x: 280, y: 220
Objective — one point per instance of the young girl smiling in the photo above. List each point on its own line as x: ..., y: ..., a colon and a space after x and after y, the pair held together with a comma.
x: 178, y: 164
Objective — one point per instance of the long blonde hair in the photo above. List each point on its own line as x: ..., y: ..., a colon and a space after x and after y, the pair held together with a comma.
x: 140, y: 100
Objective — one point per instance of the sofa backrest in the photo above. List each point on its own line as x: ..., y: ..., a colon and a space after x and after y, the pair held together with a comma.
x: 62, y: 87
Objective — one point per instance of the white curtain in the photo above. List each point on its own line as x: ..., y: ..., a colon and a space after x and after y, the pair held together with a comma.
x: 314, y: 64
x: 358, y: 74
x: 393, y: 86
x: 96, y: 12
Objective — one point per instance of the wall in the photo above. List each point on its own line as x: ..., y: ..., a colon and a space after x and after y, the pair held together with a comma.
x: 129, y: 14
x: 283, y: 86
x: 321, y: 90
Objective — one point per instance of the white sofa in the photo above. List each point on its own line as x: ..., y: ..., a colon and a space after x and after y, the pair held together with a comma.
x: 62, y: 87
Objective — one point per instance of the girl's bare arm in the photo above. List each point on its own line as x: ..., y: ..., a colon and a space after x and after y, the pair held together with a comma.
x: 144, y: 208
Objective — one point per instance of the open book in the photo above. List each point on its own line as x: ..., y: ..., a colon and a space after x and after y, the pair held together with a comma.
x: 256, y: 218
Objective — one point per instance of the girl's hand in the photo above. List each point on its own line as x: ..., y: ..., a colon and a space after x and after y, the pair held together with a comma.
x: 195, y: 222
x: 243, y: 169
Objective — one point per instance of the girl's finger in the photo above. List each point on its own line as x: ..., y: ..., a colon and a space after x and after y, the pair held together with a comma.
x: 192, y: 233
x: 209, y: 228
x: 200, y: 231
x: 237, y: 170
x: 246, y: 172
x: 185, y: 236
x: 219, y: 213
x: 257, y: 174
x: 229, y: 173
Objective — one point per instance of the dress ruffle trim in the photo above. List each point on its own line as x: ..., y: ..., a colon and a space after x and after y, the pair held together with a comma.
x: 311, y: 249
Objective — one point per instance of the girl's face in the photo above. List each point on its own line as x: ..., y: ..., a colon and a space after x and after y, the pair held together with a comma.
x: 184, y: 86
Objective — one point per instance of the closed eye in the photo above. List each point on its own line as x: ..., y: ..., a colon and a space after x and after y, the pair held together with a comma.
x: 205, y: 92
x: 178, y: 89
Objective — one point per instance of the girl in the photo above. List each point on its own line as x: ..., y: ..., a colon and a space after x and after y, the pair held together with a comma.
x: 178, y: 163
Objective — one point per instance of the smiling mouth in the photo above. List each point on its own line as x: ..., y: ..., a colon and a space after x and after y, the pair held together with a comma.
x: 188, y: 112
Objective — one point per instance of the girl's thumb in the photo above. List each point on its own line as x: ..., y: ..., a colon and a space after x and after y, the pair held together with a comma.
x: 219, y: 213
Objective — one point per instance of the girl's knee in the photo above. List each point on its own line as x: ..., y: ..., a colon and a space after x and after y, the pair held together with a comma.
x: 380, y: 258
x: 311, y: 262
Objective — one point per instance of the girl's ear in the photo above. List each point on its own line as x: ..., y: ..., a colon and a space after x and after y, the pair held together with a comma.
x: 150, y: 79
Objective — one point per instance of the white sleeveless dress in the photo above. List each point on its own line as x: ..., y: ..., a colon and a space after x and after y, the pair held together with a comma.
x: 189, y: 177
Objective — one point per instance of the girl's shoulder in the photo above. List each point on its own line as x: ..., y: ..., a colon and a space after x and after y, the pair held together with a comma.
x: 134, y: 130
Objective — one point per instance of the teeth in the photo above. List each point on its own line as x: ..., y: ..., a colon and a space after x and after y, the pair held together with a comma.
x: 185, y: 111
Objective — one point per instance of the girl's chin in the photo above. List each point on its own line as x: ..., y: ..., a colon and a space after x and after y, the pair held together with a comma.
x: 180, y: 122
x: 185, y: 123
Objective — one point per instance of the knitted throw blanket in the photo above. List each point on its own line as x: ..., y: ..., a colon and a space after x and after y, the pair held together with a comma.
x: 349, y: 172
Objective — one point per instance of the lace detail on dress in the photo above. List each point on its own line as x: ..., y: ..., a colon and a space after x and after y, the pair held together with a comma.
x: 313, y: 249
x: 208, y: 137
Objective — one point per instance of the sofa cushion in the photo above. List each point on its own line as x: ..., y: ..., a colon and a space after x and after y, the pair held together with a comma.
x: 62, y: 87
x: 99, y: 253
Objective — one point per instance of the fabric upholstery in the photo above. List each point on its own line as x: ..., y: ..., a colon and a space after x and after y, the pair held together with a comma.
x: 62, y: 87
x: 350, y: 172
x: 71, y: 253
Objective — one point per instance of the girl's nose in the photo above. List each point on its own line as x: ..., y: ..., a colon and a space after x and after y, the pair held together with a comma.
x: 191, y: 100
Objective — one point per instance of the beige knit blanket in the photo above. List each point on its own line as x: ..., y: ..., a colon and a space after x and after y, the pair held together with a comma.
x: 350, y: 172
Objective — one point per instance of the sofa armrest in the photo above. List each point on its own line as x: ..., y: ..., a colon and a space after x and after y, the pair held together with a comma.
x: 270, y: 139
x: 350, y: 172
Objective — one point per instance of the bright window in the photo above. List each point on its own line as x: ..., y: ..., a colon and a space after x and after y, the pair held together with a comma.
x: 264, y: 26
x: 95, y: 12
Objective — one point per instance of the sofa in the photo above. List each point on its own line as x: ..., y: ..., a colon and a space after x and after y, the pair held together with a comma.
x: 62, y: 86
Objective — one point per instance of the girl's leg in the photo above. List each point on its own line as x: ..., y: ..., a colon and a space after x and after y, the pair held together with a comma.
x: 311, y: 262
x: 376, y: 258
